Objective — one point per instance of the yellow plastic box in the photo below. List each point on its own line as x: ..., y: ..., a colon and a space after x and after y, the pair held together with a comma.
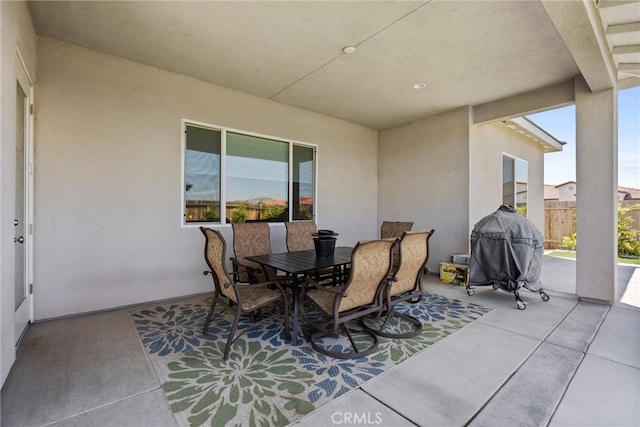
x: 456, y: 274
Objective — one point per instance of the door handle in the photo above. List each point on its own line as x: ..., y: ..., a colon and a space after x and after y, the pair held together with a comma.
x: 18, y: 239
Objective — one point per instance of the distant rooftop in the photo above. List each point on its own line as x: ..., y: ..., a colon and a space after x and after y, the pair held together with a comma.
x: 552, y: 192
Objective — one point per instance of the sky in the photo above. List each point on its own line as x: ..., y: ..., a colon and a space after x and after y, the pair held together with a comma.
x: 560, y: 167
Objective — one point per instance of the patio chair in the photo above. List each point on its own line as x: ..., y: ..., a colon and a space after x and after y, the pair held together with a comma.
x: 250, y: 239
x: 393, y: 230
x: 406, y: 286
x: 299, y: 235
x: 300, y: 238
x: 340, y: 306
x: 237, y: 298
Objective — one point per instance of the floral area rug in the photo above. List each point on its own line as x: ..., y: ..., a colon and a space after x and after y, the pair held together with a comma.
x: 267, y: 380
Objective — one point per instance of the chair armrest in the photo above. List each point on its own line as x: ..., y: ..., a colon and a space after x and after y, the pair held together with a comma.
x: 238, y: 263
x: 319, y: 287
x: 309, y: 281
x: 256, y: 285
x: 277, y: 284
x: 250, y: 270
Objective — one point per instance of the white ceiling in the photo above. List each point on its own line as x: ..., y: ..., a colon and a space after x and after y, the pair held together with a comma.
x: 466, y: 52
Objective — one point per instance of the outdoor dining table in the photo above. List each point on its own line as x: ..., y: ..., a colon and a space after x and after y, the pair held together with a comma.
x: 297, y: 264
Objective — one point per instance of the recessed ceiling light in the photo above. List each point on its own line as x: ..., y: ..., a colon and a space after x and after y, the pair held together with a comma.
x: 419, y: 85
x: 349, y: 49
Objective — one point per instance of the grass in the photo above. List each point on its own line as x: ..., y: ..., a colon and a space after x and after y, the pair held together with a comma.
x: 572, y: 255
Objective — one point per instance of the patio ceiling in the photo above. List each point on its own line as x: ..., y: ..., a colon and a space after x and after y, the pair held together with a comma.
x: 462, y: 53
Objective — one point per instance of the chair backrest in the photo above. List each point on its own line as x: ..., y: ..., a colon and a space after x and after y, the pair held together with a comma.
x: 370, y: 266
x: 414, y: 253
x: 299, y: 235
x: 214, y: 254
x: 250, y: 239
x: 393, y: 229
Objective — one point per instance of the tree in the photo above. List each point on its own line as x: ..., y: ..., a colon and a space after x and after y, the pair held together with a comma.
x: 628, y: 242
x: 239, y: 214
x: 212, y: 213
x: 273, y: 213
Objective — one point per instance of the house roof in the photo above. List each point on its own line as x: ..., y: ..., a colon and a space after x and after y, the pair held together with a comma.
x: 551, y: 192
x: 631, y: 193
x: 455, y: 53
x: 532, y: 131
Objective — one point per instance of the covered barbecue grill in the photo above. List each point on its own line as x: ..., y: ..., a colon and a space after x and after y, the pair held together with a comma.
x: 506, y: 253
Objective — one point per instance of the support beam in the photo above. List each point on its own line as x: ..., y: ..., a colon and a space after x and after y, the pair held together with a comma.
x: 622, y: 50
x: 555, y: 96
x: 597, y: 195
x: 633, y: 27
x: 630, y: 68
x: 603, y: 4
x: 629, y: 82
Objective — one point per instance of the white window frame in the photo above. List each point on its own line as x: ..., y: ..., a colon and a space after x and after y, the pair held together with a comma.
x: 223, y: 170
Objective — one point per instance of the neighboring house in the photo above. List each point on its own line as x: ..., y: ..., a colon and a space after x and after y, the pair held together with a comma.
x: 105, y: 176
x: 551, y: 192
x: 566, y: 192
x: 628, y: 193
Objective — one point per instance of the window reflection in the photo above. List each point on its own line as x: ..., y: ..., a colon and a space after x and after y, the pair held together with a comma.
x: 303, y: 173
x: 522, y: 183
x: 235, y: 177
x: 515, y: 182
x: 202, y: 175
x: 257, y: 179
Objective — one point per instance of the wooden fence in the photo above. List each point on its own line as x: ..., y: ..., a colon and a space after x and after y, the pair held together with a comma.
x: 560, y: 220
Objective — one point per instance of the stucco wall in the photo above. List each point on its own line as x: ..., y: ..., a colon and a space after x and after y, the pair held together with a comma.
x: 444, y: 174
x: 17, y: 34
x: 488, y: 143
x: 108, y: 177
x: 424, y: 178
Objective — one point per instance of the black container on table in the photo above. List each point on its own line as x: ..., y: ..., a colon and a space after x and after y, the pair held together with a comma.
x: 325, y: 243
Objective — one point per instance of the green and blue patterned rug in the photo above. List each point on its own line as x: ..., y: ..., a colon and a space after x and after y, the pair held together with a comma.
x: 267, y: 380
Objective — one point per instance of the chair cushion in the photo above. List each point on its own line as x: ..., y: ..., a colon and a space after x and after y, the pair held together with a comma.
x: 255, y: 297
x: 391, y: 229
x: 299, y: 236
x: 325, y: 299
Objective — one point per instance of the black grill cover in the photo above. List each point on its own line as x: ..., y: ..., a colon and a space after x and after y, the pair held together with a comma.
x: 506, y: 251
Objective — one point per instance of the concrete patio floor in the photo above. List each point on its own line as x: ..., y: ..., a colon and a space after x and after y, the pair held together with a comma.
x: 561, y: 363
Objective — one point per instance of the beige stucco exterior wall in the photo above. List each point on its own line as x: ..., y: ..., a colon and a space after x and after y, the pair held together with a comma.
x: 488, y: 143
x: 451, y: 176
x: 108, y: 177
x: 424, y: 178
x: 17, y: 34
